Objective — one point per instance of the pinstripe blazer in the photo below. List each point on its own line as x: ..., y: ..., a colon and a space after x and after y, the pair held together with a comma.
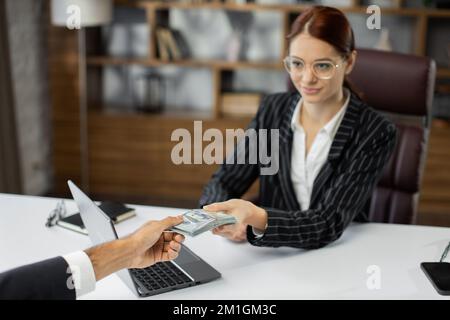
x: 341, y: 191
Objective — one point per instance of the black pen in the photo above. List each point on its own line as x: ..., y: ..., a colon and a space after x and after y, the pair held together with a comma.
x: 444, y: 254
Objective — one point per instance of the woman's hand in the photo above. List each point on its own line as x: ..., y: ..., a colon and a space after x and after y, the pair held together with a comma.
x: 245, y: 212
x: 235, y: 232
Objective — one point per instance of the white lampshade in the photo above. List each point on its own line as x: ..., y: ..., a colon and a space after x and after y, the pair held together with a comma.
x: 92, y: 12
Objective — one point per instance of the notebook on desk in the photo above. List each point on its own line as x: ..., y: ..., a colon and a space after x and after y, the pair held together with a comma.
x: 116, y: 211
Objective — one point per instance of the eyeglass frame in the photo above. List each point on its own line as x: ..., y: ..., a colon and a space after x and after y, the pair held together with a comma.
x: 335, y: 66
x: 56, y: 214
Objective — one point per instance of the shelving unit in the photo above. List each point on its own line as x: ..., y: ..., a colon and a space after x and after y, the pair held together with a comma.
x: 213, y: 64
x: 129, y: 152
x: 158, y: 12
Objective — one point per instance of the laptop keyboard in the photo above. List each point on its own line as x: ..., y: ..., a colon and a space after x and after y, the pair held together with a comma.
x: 160, y: 275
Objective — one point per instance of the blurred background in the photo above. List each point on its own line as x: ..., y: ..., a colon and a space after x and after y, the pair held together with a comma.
x: 98, y: 104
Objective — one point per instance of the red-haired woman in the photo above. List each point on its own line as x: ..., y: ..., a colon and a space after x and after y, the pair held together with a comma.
x: 332, y: 147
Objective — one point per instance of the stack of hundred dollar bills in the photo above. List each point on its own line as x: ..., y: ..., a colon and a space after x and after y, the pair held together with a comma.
x: 197, y: 221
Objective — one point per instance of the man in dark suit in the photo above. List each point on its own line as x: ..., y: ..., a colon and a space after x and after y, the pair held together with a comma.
x: 73, y: 275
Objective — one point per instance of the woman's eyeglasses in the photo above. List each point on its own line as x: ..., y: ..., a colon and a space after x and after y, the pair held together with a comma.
x: 56, y: 214
x: 321, y: 69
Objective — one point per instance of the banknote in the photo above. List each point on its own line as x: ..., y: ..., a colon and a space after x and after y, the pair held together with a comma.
x: 197, y: 221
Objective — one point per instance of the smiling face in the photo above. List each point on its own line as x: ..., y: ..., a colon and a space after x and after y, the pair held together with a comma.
x: 312, y: 51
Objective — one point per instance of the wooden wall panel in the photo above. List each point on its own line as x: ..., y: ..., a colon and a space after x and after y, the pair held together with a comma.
x: 434, y: 208
x: 63, y: 75
x: 130, y: 155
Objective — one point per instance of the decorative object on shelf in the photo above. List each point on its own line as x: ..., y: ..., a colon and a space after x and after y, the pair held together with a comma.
x: 239, y: 42
x: 338, y: 3
x: 149, y: 92
x: 384, y: 42
x: 238, y: 104
x: 79, y: 14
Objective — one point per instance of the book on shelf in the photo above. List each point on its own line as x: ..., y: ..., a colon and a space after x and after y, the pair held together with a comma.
x: 172, y: 47
x: 237, y: 104
x: 171, y: 44
x: 181, y: 43
x: 163, y: 51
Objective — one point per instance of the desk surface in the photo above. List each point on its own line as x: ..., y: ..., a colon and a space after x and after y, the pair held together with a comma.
x: 337, y: 271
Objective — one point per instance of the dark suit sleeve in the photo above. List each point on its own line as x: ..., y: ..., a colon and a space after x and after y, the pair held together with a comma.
x: 338, y: 205
x: 42, y: 280
x: 233, y: 180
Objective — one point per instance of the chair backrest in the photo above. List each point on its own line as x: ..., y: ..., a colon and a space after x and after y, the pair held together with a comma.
x: 401, y: 86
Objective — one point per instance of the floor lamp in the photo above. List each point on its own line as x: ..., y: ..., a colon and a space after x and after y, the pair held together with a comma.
x: 78, y: 15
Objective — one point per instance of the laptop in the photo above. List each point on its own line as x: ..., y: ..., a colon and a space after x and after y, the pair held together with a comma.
x: 186, y: 270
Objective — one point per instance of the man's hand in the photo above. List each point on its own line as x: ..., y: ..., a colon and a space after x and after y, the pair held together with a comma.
x: 245, y: 212
x: 146, y: 246
x: 152, y: 244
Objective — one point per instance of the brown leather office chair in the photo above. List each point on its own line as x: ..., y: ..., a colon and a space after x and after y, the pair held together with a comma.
x: 402, y: 86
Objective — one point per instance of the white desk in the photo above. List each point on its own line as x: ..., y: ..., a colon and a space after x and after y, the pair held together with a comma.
x: 338, y: 271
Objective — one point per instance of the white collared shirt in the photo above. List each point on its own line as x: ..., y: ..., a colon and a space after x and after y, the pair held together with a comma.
x: 304, y: 169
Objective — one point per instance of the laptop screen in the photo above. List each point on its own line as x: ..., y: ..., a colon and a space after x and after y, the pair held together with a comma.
x: 99, y: 227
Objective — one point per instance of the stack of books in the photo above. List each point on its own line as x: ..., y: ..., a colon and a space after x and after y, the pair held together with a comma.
x: 116, y: 211
x: 240, y: 104
x: 171, y: 44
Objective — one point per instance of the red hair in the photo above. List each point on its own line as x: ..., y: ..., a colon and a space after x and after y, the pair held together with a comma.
x: 329, y: 25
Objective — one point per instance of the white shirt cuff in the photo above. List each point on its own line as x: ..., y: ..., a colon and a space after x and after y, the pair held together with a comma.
x: 257, y: 233
x: 83, y: 274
